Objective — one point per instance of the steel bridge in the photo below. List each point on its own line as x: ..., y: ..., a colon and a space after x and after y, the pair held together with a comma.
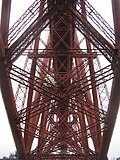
x: 55, y: 64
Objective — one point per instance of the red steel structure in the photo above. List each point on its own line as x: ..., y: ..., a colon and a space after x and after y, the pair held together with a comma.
x: 52, y: 82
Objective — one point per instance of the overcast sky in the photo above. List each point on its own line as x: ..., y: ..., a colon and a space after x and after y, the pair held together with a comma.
x: 6, y: 141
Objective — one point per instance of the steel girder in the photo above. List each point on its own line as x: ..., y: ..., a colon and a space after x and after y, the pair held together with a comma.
x: 62, y: 102
x: 5, y: 82
x: 5, y: 17
x: 115, y: 91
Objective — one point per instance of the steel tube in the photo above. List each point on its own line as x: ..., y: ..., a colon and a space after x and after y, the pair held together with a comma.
x: 116, y: 20
x: 5, y: 18
x: 115, y: 92
x: 8, y: 98
x: 2, y: 50
x: 111, y: 117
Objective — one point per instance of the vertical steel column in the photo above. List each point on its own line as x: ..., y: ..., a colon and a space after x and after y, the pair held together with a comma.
x: 115, y: 92
x: 94, y: 90
x: 2, y: 50
x: 116, y: 20
x: 30, y: 98
x: 5, y: 18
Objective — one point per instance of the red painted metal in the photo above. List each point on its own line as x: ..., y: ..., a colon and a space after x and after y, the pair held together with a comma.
x: 7, y: 93
x: 61, y: 107
x: 115, y: 91
x: 2, y: 49
x: 116, y: 16
x: 5, y: 18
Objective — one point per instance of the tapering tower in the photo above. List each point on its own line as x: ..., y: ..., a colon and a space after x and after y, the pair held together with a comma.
x: 56, y: 62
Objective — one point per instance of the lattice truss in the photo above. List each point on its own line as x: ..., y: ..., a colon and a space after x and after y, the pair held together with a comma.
x: 54, y: 58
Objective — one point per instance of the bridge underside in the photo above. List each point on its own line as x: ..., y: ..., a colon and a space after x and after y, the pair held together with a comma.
x: 56, y: 62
